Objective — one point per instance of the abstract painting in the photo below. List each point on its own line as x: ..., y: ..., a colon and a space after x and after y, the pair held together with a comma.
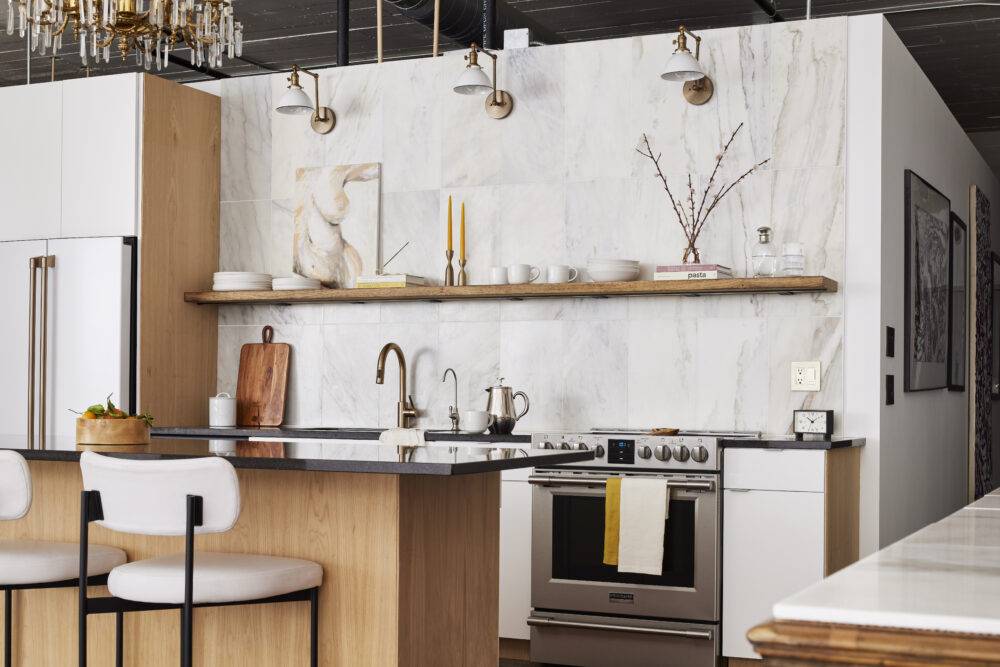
x: 928, y: 231
x: 958, y: 303
x: 336, y: 236
x: 979, y: 207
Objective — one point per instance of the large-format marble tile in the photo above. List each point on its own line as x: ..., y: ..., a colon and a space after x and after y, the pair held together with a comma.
x: 731, y: 374
x: 484, y: 230
x: 350, y: 396
x: 472, y: 142
x: 281, y: 242
x: 303, y: 402
x: 808, y: 92
x: 245, y: 236
x: 472, y: 349
x: 533, y: 221
x: 596, y: 101
x: 661, y: 376
x: 804, y: 339
x: 411, y: 125
x: 413, y: 218
x: 246, y: 138
x: 469, y: 311
x: 532, y: 360
x: 419, y: 342
x: 534, y: 141
x: 594, y: 375
x: 577, y: 309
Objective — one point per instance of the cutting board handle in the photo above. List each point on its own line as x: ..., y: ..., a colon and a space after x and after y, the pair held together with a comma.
x: 267, y: 334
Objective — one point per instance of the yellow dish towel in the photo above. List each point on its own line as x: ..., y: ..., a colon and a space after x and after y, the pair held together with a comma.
x: 612, y: 519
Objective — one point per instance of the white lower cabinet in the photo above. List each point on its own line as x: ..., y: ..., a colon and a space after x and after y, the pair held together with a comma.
x: 515, y: 555
x: 772, y: 547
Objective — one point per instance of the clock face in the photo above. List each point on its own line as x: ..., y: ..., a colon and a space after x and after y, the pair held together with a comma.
x: 812, y: 421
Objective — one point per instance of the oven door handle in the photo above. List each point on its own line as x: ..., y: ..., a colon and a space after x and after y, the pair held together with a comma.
x: 553, y: 623
x: 699, y: 485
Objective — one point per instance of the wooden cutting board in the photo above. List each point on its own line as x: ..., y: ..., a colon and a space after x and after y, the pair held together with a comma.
x: 262, y: 382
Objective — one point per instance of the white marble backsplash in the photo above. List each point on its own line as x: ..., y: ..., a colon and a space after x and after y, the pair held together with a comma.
x: 559, y: 181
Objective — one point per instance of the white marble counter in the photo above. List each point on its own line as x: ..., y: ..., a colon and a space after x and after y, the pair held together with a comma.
x: 945, y: 577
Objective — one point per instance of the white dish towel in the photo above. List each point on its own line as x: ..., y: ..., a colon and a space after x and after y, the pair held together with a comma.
x: 644, y: 504
x: 402, y: 437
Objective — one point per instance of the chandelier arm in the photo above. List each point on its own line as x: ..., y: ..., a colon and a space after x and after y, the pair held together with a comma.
x: 61, y: 29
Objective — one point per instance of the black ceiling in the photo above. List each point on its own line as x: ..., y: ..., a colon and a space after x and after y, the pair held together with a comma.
x: 957, y: 46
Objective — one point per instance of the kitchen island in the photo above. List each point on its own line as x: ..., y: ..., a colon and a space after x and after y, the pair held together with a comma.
x: 408, y: 540
x: 930, y: 598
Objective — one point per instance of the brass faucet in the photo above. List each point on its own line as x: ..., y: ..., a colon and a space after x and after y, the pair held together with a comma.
x: 405, y: 412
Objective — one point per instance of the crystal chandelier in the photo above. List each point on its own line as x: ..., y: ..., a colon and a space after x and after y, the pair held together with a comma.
x: 150, y: 30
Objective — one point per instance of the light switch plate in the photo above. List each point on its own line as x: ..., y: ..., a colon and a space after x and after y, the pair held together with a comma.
x: 805, y: 376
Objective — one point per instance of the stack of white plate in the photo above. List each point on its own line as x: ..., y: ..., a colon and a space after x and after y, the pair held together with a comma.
x: 294, y: 282
x: 613, y: 270
x: 238, y: 281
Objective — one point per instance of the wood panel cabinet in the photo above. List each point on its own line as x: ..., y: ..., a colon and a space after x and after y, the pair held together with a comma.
x: 789, y: 519
x: 30, y: 160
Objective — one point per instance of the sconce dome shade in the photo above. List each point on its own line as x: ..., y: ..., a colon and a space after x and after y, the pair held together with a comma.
x: 294, y: 101
x: 682, y: 66
x: 473, y: 81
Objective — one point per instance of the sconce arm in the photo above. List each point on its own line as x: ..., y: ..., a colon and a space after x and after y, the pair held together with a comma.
x: 320, y: 110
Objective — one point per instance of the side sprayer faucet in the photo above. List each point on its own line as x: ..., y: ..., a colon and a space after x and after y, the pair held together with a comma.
x: 405, y: 412
x: 453, y: 408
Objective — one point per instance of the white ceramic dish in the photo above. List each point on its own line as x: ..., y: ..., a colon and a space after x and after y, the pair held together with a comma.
x: 612, y: 275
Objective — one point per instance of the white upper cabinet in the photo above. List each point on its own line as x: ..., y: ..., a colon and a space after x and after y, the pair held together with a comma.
x: 100, y: 168
x: 30, y: 175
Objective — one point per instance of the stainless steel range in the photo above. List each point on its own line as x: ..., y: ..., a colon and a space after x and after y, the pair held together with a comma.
x: 587, y: 613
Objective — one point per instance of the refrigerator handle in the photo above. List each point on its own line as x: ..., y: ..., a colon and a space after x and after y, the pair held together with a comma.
x: 47, y: 262
x: 33, y: 264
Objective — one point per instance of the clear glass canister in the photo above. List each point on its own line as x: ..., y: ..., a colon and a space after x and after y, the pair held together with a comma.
x: 793, y: 260
x: 765, y: 258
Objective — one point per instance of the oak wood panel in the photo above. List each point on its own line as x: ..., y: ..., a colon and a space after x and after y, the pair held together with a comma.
x: 842, y: 508
x: 515, y: 649
x: 784, y: 285
x: 745, y: 662
x: 785, y: 643
x: 178, y: 250
x: 449, y: 571
x: 346, y: 522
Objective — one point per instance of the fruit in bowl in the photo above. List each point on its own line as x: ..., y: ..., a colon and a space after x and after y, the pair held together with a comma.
x: 107, y: 424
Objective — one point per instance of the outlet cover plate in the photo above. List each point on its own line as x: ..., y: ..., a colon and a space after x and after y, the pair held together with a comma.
x: 805, y: 376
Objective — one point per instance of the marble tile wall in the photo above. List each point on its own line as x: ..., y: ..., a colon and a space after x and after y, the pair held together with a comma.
x: 559, y: 181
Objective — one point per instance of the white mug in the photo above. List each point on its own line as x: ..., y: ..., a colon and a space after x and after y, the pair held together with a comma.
x: 476, y: 421
x: 522, y: 273
x: 498, y: 275
x: 222, y: 411
x: 560, y: 273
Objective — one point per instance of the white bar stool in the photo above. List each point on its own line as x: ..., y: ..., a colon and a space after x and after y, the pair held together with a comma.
x: 182, y: 497
x: 35, y: 564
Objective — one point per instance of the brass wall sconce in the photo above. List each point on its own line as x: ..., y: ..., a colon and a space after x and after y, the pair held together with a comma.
x: 682, y: 66
x: 296, y: 101
x: 473, y: 81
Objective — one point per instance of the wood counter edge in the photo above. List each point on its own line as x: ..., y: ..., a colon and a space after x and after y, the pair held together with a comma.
x: 808, y: 643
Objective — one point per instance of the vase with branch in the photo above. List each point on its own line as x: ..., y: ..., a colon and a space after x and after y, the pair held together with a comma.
x: 693, y: 210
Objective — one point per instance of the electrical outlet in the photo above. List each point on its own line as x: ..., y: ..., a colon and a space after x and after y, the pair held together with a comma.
x: 805, y: 376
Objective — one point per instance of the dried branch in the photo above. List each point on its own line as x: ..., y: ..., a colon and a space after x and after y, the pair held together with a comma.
x: 718, y: 163
x: 673, y: 202
x: 724, y: 191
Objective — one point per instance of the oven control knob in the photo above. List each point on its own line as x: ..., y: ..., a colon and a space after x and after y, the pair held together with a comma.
x: 599, y: 452
x: 582, y: 446
x: 681, y: 453
x: 699, y: 454
x: 547, y: 445
x: 662, y: 452
x: 643, y: 452
x: 565, y: 445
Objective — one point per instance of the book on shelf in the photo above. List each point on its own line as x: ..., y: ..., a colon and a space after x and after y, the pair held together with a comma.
x: 388, y: 280
x: 669, y: 268
x: 691, y: 275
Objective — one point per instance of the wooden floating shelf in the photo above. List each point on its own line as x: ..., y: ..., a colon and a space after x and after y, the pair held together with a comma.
x: 784, y: 285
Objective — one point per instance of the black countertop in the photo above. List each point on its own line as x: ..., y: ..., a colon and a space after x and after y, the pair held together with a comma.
x: 334, y: 456
x: 790, y: 443
x: 291, y: 432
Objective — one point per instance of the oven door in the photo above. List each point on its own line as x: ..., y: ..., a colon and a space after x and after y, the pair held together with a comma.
x: 567, y: 569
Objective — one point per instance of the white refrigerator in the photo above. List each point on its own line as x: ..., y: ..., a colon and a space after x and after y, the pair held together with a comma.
x: 67, y: 334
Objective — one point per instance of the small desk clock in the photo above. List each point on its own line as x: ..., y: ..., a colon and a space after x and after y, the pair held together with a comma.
x: 812, y: 422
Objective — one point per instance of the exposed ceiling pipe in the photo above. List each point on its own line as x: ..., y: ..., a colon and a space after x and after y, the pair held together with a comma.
x: 462, y: 21
x: 343, y: 33
x: 768, y: 8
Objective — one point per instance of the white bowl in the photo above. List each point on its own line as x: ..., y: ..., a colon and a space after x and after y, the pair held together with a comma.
x: 613, y: 262
x: 612, y: 275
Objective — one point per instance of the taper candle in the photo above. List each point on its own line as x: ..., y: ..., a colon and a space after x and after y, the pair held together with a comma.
x: 449, y: 222
x: 461, y: 235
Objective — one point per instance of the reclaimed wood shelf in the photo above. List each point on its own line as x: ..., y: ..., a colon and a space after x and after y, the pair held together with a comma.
x: 783, y: 285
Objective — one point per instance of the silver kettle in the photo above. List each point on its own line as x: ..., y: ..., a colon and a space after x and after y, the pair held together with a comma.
x: 501, y: 406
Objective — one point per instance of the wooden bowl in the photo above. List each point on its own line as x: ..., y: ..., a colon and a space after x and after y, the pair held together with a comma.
x: 111, y: 432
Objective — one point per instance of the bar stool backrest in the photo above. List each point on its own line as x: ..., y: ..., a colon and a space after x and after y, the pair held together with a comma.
x: 150, y: 497
x: 15, y: 486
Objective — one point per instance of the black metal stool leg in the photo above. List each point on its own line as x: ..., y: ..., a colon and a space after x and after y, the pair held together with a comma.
x: 7, y: 623
x: 186, y: 636
x: 314, y: 627
x: 119, y: 639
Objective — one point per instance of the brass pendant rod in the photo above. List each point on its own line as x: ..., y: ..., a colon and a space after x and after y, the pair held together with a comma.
x: 437, y: 26
x: 378, y: 28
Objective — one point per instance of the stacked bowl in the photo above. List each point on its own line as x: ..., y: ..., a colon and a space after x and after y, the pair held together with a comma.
x: 613, y: 270
x: 294, y: 282
x: 239, y: 281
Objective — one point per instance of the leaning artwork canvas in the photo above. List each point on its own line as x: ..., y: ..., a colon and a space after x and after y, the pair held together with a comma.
x: 336, y: 237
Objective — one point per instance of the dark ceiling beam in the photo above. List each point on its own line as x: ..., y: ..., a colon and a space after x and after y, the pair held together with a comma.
x: 768, y: 8
x: 203, y: 69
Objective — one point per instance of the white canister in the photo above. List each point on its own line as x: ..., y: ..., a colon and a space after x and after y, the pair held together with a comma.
x: 222, y: 411
x: 793, y: 260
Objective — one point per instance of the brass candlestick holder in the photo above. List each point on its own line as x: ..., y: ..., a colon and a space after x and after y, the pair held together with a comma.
x: 462, y: 278
x: 449, y: 272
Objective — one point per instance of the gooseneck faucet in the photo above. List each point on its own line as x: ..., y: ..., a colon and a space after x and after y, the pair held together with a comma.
x: 405, y: 412
x: 452, y: 409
